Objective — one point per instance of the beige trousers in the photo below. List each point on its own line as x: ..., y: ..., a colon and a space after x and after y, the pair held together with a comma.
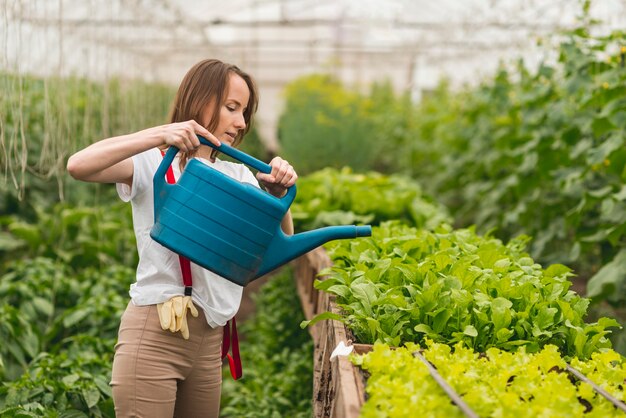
x: 157, y: 373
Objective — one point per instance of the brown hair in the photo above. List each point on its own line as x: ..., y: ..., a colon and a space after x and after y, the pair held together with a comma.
x: 206, y: 83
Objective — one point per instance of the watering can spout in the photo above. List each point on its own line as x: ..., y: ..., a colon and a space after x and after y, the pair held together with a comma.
x: 285, y: 248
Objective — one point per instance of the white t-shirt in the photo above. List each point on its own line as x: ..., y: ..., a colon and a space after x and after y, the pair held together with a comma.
x: 158, y: 272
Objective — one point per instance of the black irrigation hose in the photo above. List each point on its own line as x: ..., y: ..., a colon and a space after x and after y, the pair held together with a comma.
x: 616, y: 402
x: 458, y: 401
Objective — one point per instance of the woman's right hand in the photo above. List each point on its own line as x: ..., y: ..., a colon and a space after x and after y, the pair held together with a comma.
x: 183, y: 135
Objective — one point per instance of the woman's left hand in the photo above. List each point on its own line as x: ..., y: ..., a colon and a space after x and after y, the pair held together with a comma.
x: 281, y: 177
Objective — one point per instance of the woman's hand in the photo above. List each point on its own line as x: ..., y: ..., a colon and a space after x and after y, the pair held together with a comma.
x: 183, y: 135
x: 279, y: 179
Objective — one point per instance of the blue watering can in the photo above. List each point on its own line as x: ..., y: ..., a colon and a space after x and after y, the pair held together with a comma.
x: 229, y: 227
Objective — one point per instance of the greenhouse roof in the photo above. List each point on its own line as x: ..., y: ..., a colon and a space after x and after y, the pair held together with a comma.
x: 413, y: 43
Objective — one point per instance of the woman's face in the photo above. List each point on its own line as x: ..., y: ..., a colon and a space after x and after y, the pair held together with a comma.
x: 231, y: 121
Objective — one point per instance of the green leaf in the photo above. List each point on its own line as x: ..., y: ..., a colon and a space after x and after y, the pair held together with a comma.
x: 17, y: 351
x: 8, y: 242
x: 76, y: 316
x: 504, y: 334
x: 321, y: 317
x: 27, y: 232
x: 545, y: 317
x: 366, y: 294
x: 441, y: 320
x: 606, y: 282
x: 579, y: 342
x: 600, y: 192
x: 103, y: 385
x: 30, y: 343
x: 597, y: 155
x: 442, y: 260
x: 340, y: 290
x: 500, y: 313
x: 621, y: 195
x: 326, y: 283
x: 601, y: 126
x: 502, y: 264
x: 91, y: 396
x: 423, y: 328
x: 609, y: 323
x: 43, y: 306
x: 489, y: 258
x: 374, y: 328
x: 70, y: 379
x: 556, y: 270
x: 470, y: 331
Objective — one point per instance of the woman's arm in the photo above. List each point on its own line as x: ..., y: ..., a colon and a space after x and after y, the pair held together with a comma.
x: 109, y: 160
x: 287, y: 223
x: 276, y: 183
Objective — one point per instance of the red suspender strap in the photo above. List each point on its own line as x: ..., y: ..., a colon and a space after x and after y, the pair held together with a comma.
x: 234, y: 361
x: 185, y: 265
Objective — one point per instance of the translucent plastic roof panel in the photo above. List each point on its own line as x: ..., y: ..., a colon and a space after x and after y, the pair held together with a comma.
x: 411, y: 42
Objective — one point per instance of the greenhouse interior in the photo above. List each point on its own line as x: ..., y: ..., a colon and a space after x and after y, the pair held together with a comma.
x: 477, y: 148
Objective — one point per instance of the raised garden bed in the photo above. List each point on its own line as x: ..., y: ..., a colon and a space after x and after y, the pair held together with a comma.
x: 338, y: 386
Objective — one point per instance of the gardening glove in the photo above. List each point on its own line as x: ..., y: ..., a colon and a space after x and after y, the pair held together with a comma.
x: 180, y: 309
x: 173, y: 314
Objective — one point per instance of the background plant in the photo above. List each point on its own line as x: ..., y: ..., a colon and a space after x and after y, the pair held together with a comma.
x: 340, y: 197
x: 327, y: 125
x: 59, y: 328
x: 79, y: 236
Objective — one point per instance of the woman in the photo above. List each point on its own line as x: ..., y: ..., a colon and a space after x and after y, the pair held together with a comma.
x: 157, y: 370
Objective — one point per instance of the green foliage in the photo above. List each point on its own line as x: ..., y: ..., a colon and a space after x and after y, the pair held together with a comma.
x: 44, y: 303
x: 73, y: 382
x: 277, y: 357
x: 59, y: 330
x: 609, y: 284
x: 406, y: 285
x: 79, y: 236
x: 391, y: 117
x: 34, y: 293
x: 495, y: 383
x: 326, y: 125
x: 341, y: 197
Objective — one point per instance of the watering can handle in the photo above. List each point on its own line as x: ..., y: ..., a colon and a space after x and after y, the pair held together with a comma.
x: 239, y: 155
x: 161, y: 188
x: 254, y: 163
